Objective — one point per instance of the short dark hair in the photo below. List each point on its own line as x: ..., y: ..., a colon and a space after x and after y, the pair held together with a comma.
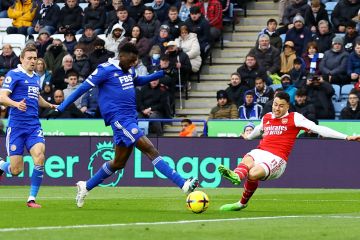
x: 271, y: 20
x: 301, y: 92
x: 148, y: 8
x: 173, y: 9
x: 99, y: 42
x: 128, y: 48
x: 260, y: 78
x: 351, y: 24
x: 297, y: 61
x: 283, y: 96
x: 121, y: 8
x: 72, y: 74
x: 186, y: 120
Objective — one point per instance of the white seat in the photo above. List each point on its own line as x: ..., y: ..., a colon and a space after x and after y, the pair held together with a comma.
x: 330, y: 6
x: 345, y: 91
x: 15, y: 40
x: 5, y: 23
x: 83, y: 5
x: 78, y: 36
x: 35, y: 35
x: 61, y: 5
x: 102, y: 36
x: 338, y: 106
x: 275, y: 86
x: 336, y: 96
x: 58, y: 36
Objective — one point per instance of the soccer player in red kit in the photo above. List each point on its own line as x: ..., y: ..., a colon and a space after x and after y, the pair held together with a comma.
x: 268, y: 160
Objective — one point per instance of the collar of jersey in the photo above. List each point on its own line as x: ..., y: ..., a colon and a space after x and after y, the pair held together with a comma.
x: 285, y: 115
x: 24, y: 71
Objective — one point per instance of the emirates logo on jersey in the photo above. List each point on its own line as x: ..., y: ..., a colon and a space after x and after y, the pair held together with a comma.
x: 284, y: 121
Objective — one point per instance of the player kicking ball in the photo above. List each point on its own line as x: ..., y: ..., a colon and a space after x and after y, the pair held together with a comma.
x: 268, y: 160
x: 117, y: 81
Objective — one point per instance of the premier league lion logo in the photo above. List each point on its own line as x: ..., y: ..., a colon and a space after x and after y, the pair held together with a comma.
x: 105, y: 152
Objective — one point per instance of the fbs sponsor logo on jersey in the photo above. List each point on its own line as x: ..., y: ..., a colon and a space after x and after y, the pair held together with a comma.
x: 33, y: 92
x: 104, y: 152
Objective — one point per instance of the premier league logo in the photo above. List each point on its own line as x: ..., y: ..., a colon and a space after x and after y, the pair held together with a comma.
x: 105, y: 152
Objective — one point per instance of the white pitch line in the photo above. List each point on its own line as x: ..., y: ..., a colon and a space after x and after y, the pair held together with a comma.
x: 168, y: 223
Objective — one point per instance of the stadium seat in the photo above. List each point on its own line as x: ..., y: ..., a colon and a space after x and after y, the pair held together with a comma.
x: 78, y: 36
x: 35, y: 35
x: 16, y: 40
x: 336, y: 96
x: 144, y: 126
x: 283, y: 36
x: 5, y: 23
x: 102, y: 36
x: 338, y: 106
x: 275, y: 86
x: 83, y: 5
x: 58, y: 36
x: 329, y: 7
x: 61, y: 5
x: 345, y: 90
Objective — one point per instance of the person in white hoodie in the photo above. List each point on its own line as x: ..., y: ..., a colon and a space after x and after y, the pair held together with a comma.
x: 189, y: 44
x: 113, y: 40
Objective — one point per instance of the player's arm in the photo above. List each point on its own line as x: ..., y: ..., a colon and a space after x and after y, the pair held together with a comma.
x: 45, y: 104
x: 84, y: 87
x: 143, y: 80
x: 301, y: 121
x: 7, y: 101
x: 255, y: 133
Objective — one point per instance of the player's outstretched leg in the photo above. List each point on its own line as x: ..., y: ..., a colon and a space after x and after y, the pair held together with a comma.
x: 230, y: 175
x: 190, y: 185
x: 4, y: 167
x: 82, y: 192
x: 36, y: 179
x: 233, y: 207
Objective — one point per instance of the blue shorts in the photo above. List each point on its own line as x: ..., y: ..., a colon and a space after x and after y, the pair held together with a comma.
x: 126, y: 134
x: 18, y: 138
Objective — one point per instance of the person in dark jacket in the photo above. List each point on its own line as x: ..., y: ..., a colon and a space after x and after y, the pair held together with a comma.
x: 250, y: 70
x: 315, y: 14
x: 4, y: 6
x: 303, y: 106
x: 174, y: 22
x: 88, y: 38
x: 8, y: 59
x: 353, y: 65
x: 94, y: 15
x: 89, y: 103
x: 161, y: 9
x: 99, y: 55
x: 122, y: 18
x: 149, y: 24
x: 350, y: 36
x: 70, y: 41
x: 300, y: 35
x: 250, y: 110
x: 70, y: 17
x: 236, y: 89
x: 263, y: 93
x: 352, y: 110
x: 270, y: 30
x: 46, y: 17
x: 136, y: 9
x: 344, y: 11
x: 81, y: 62
x: 298, y: 7
x: 323, y: 37
x: 142, y: 44
x: 42, y: 42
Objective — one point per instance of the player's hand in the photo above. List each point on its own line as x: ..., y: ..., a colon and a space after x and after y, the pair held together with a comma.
x: 53, y: 106
x: 244, y: 136
x: 53, y: 113
x: 21, y: 105
x: 353, y: 138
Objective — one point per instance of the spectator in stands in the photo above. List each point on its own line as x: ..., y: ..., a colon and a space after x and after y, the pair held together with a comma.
x: 312, y: 58
x: 111, y: 12
x: 70, y: 17
x: 42, y: 42
x: 224, y: 109
x: 140, y: 68
x: 81, y: 62
x: 298, y: 74
x: 89, y: 103
x: 162, y: 38
x: 250, y: 110
x: 350, y: 36
x: 8, y: 59
x: 124, y: 20
x: 334, y: 64
x: 353, y: 64
x: 149, y: 24
x: 303, y: 106
x: 189, y: 44
x: 250, y: 70
x: 60, y: 74
x: 270, y: 30
x: 352, y: 110
x: 142, y: 44
x: 4, y: 6
x: 161, y: 9
x: 54, y: 55
x: 174, y: 22
x: 70, y: 41
x: 88, y: 38
x: 287, y: 57
x: 46, y: 17
x: 319, y: 93
x: 73, y: 84
x: 45, y: 76
x: 153, y: 59
x: 248, y: 128
x: 153, y: 103
x: 299, y: 35
x: 344, y: 11
x: 212, y: 11
x: 188, y: 129
x: 22, y: 12
x: 136, y: 9
x: 236, y: 89
x: 315, y: 14
x: 263, y: 93
x: 95, y: 16
x: 266, y: 55
x: 99, y: 55
x: 113, y: 40
x: 297, y: 7
x: 288, y: 87
x: 70, y: 112
x: 199, y: 25
x: 323, y: 37
x: 184, y: 12
x: 47, y: 92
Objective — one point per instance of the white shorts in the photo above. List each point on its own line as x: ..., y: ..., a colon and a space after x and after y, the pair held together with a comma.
x: 273, y: 165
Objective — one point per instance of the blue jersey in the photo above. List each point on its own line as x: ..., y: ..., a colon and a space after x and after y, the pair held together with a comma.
x: 21, y: 86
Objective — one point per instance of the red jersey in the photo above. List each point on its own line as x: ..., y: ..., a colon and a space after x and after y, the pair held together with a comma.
x: 280, y: 134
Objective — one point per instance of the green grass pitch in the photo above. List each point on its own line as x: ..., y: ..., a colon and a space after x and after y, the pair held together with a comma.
x: 160, y: 213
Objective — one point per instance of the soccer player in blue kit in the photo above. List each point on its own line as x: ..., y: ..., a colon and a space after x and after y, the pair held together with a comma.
x: 21, y: 92
x: 117, y: 81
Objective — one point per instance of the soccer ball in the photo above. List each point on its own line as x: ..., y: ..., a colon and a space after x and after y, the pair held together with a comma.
x: 197, y: 202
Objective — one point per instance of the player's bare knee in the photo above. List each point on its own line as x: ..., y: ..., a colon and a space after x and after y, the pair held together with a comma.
x: 15, y: 171
x: 255, y: 173
x: 39, y: 158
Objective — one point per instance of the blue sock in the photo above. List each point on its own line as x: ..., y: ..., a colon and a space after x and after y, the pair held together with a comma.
x: 104, y: 172
x: 5, y: 166
x: 166, y: 170
x: 36, y: 179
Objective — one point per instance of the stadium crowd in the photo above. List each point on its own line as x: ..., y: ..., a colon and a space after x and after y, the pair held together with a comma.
x: 309, y: 54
